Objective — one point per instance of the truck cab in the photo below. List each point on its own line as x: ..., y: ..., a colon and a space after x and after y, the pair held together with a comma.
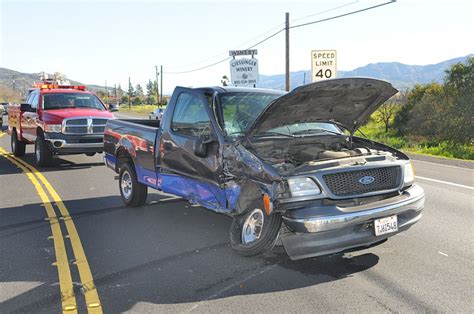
x: 58, y: 120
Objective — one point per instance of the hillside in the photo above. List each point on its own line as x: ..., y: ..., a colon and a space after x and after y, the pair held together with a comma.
x: 23, y: 81
x: 402, y: 76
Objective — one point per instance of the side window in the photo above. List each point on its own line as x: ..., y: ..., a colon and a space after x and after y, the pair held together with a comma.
x: 30, y: 97
x: 34, y: 102
x: 190, y: 116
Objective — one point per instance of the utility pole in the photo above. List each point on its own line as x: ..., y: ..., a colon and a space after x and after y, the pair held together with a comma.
x: 129, y: 105
x: 106, y: 92
x: 115, y: 94
x: 161, y: 85
x: 157, y: 91
x: 287, y: 46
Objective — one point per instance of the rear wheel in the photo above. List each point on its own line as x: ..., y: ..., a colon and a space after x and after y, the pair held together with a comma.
x: 18, y: 147
x: 254, y: 232
x: 43, y: 154
x: 133, y: 192
x: 90, y: 154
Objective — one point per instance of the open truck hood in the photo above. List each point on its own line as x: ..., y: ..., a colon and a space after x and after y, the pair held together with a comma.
x: 348, y: 102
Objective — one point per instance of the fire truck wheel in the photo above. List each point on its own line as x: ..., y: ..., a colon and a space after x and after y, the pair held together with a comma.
x: 43, y: 155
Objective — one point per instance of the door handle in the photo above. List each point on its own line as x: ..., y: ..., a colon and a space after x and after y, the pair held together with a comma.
x: 167, y: 145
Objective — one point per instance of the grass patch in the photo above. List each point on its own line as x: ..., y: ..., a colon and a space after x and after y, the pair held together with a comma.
x: 376, y: 132
x: 139, y: 109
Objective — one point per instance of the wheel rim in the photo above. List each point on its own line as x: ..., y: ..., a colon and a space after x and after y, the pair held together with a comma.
x: 126, y: 184
x: 252, y: 228
x: 13, y: 142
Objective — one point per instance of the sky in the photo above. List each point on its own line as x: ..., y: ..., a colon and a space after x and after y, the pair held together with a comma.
x: 98, y: 41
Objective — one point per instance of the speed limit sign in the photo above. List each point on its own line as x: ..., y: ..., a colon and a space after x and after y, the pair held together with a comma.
x: 323, y: 65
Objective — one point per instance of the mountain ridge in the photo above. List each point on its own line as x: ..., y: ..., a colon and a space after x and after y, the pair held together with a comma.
x: 401, y: 75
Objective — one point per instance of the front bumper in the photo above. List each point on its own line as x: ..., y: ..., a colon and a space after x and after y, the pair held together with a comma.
x: 330, y: 229
x: 61, y: 144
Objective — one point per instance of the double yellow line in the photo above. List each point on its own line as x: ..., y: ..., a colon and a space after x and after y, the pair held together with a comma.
x: 68, y: 299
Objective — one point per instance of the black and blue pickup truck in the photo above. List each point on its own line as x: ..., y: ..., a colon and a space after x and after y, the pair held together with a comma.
x: 274, y: 161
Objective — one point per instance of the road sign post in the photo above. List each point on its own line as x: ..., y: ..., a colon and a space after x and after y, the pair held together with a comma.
x: 323, y: 65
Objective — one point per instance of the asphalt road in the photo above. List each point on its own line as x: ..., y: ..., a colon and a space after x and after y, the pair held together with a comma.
x: 172, y: 257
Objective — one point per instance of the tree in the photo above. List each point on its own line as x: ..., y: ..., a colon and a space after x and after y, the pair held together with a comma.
x: 131, y: 91
x: 459, y: 88
x: 138, y: 91
x: 149, y: 88
x: 225, y: 80
x: 436, y: 112
x: 137, y: 101
x: 150, y: 100
x: 386, y: 113
x: 124, y: 99
x: 119, y: 91
x: 413, y: 97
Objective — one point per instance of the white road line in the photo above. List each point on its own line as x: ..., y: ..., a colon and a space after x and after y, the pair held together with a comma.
x: 445, y: 182
x: 444, y: 254
x: 443, y: 165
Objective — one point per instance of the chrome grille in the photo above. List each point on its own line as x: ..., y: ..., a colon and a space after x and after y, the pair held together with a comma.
x: 348, y: 183
x: 84, y: 125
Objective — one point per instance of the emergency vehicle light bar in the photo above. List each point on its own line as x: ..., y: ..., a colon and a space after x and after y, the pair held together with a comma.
x: 51, y: 86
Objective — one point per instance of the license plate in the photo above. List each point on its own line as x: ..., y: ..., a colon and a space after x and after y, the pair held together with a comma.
x: 386, y: 225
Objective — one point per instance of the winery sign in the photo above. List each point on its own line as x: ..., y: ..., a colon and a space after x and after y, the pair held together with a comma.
x: 243, y: 71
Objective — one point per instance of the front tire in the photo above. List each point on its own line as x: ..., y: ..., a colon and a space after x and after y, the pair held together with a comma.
x: 133, y: 193
x: 254, y: 232
x: 43, y: 154
x: 18, y: 147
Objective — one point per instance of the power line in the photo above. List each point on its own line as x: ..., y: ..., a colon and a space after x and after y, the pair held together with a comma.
x: 345, y: 14
x: 282, y: 29
x: 237, y: 46
x: 325, y: 11
x: 227, y: 58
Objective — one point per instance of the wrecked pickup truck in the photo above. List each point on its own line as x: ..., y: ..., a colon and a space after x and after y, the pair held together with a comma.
x: 274, y: 161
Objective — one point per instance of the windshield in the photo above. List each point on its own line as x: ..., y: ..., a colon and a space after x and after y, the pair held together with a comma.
x: 239, y: 110
x: 303, y: 129
x: 71, y: 100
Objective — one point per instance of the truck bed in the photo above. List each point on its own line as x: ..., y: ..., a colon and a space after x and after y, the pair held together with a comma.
x: 137, y: 137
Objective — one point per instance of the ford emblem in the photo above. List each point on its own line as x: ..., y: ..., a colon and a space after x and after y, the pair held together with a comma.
x: 366, y: 180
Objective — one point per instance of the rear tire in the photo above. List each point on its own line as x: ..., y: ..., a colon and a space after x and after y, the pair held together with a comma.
x: 133, y: 193
x: 18, y: 147
x: 43, y: 154
x: 265, y: 238
x: 90, y: 154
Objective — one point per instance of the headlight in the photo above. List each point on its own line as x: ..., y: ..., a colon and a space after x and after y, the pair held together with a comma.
x: 408, y: 174
x: 56, y: 128
x: 303, y: 187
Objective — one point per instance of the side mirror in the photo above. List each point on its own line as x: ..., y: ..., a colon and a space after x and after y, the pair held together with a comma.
x: 199, y: 147
x: 26, y: 108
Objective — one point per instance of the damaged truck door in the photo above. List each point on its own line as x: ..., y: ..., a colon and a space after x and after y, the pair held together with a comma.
x: 268, y: 158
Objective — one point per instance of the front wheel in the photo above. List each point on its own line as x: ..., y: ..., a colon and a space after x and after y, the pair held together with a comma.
x: 18, y: 147
x: 254, y: 232
x: 133, y: 193
x: 43, y: 154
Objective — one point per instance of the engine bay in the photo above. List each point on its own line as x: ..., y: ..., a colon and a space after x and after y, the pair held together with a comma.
x: 293, y: 154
